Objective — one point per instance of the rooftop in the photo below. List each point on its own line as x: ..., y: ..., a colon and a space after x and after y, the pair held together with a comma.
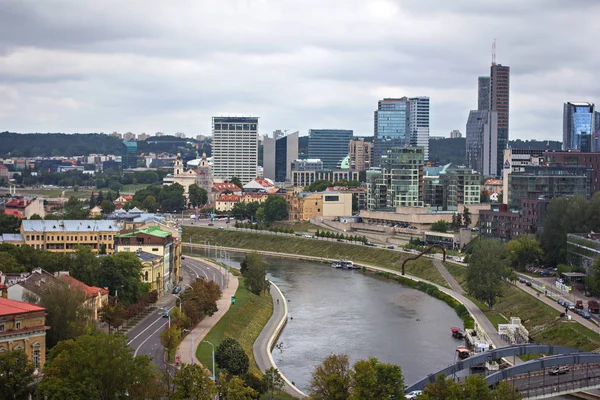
x: 11, y: 237
x: 151, y: 230
x: 228, y: 197
x: 92, y: 291
x: 11, y: 307
x: 146, y: 257
x: 75, y: 225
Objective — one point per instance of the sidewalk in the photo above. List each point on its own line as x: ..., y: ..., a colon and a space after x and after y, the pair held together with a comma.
x: 204, y: 326
x: 448, y: 276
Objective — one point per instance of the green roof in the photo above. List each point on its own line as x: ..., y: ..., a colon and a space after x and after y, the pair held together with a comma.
x: 151, y: 230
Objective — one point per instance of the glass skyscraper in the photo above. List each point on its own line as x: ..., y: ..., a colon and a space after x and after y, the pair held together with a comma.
x: 578, y: 126
x: 329, y: 145
x: 129, y: 155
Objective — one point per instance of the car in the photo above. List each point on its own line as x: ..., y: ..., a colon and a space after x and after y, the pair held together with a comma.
x: 308, y: 236
x: 166, y: 314
x: 561, y: 302
x: 413, y: 395
x: 183, y: 257
x: 176, y: 289
x: 298, y: 234
x: 528, y: 283
x: 563, y: 369
x: 220, y: 227
x: 340, y: 240
x: 586, y: 315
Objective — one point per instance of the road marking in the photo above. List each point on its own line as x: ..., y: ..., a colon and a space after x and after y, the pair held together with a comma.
x: 191, y: 269
x: 148, y: 338
x: 201, y: 270
x: 148, y: 327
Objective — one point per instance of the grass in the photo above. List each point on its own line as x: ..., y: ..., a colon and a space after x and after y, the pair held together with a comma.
x: 422, y: 268
x: 134, y: 187
x: 300, y: 226
x: 81, y: 193
x: 459, y: 272
x: 243, y: 321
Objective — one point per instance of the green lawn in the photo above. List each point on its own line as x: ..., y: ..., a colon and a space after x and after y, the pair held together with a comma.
x: 422, y: 268
x: 55, y: 192
x: 243, y: 321
x: 459, y: 272
x: 132, y: 188
x: 300, y: 226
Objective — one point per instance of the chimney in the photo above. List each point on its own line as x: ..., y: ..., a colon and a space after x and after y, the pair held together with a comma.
x: 4, y: 290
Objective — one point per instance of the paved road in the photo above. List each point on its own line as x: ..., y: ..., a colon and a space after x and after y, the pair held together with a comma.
x: 447, y: 276
x: 144, y: 338
x: 580, y: 376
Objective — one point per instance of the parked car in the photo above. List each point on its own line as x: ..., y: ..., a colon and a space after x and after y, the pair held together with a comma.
x: 561, y: 302
x: 528, y: 283
x: 586, y: 315
x: 563, y: 369
x: 176, y: 289
x: 183, y: 257
x: 166, y: 314
x: 220, y: 227
x: 308, y: 236
x: 414, y: 394
x: 391, y: 247
x: 579, y: 304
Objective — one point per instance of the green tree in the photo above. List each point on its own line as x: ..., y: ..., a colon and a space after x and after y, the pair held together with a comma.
x: 16, y: 375
x: 9, y: 264
x: 35, y: 217
x: 466, y: 217
x: 275, y: 209
x: 486, y: 271
x: 440, y: 226
x: 94, y: 366
x: 505, y: 391
x: 332, y: 379
x: 122, y: 272
x: 192, y: 381
x: 256, y: 274
x: 374, y: 380
x: 201, y: 299
x: 318, y: 186
x: 238, y: 211
x: 198, y: 196
x: 9, y: 223
x: 237, y: 182
x: 524, y: 251
x: 259, y: 216
x: 171, y: 198
x: 150, y: 204
x: 235, y: 388
x: 230, y: 355
x: 100, y: 198
x: 92, y: 200
x: 113, y: 315
x: 272, y: 380
x: 107, y: 207
x: 66, y: 311
x: 170, y: 338
x: 75, y: 209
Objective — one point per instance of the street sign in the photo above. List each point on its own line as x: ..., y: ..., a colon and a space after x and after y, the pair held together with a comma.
x: 232, y: 299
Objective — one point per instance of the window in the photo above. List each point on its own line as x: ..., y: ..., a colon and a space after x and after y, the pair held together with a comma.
x: 155, y: 249
x: 2, y: 328
x: 36, y: 358
x: 18, y: 325
x: 146, y: 276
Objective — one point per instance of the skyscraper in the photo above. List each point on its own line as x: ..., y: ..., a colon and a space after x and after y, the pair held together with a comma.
x: 418, y: 123
x: 360, y: 154
x: 329, y: 145
x: 278, y: 154
x: 483, y: 93
x: 235, y: 147
x: 499, y: 102
x: 129, y: 155
x: 482, y: 141
x: 578, y: 126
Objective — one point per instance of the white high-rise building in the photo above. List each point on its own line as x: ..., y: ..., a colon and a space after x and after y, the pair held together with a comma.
x: 235, y: 147
x: 418, y: 123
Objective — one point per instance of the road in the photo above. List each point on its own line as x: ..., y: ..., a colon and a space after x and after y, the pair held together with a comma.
x: 145, y: 337
x: 541, y: 379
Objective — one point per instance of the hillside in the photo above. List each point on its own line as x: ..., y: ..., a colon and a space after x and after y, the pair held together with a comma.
x: 57, y: 144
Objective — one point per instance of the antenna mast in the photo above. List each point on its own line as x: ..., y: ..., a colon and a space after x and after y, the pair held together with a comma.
x: 494, y: 52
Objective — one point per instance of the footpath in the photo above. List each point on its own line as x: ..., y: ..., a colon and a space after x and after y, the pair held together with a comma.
x: 185, y: 348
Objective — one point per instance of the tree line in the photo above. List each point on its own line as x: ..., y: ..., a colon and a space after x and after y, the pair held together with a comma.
x: 57, y: 144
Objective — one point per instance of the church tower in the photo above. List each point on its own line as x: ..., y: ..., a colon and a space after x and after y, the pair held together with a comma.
x: 178, y: 170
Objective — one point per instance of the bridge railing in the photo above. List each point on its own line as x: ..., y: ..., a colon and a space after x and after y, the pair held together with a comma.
x: 555, y: 389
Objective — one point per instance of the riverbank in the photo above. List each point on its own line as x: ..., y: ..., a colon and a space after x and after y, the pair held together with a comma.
x: 319, y: 249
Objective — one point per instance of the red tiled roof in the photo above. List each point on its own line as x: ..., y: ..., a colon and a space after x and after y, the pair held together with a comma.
x: 229, y: 197
x: 92, y: 291
x: 221, y: 187
x: 14, y: 213
x: 10, y: 307
x: 263, y: 182
x: 19, y: 203
x: 3, y: 166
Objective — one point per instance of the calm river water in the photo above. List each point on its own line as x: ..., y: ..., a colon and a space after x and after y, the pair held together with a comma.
x: 339, y: 311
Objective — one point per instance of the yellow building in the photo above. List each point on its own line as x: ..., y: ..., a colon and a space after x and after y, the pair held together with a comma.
x: 152, y: 270
x: 23, y: 327
x: 304, y: 206
x: 225, y: 202
x: 65, y: 235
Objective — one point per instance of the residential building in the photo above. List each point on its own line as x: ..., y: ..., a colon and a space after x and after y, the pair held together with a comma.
x: 516, y: 160
x: 220, y: 187
x: 578, y: 127
x: 499, y: 103
x: 483, y: 93
x: 418, y: 124
x: 23, y: 327
x: 27, y: 207
x: 399, y: 180
x: 533, y: 213
x: 254, y: 197
x: 278, y: 154
x: 3, y: 174
x: 96, y: 297
x: 329, y: 145
x: 328, y: 205
x: 482, y: 142
x: 225, y: 202
x: 589, y: 161
x: 129, y: 155
x: 64, y: 236
x: 308, y: 164
x: 142, y: 136
x: 450, y: 187
x: 360, y: 193
x: 456, y: 134
x: 500, y: 223
x: 391, y: 126
x: 153, y: 240
x: 95, y: 212
x: 122, y: 200
x: 305, y: 178
x: 235, y: 147
x: 360, y: 154
x: 493, y: 186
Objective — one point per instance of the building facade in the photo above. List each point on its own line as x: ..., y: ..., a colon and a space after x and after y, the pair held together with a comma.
x: 328, y: 204
x: 418, y: 123
x: 578, y: 127
x: 483, y: 93
x: 500, y: 103
x: 456, y: 134
x: 129, y: 155
x: 399, y: 180
x: 360, y: 154
x: 180, y: 175
x: 306, y: 178
x: 451, y: 187
x: 516, y: 160
x: 278, y: 154
x: 329, y: 145
x: 308, y: 164
x: 500, y: 223
x: 482, y: 141
x: 235, y: 147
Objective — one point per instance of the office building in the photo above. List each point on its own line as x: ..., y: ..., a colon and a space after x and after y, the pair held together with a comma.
x: 448, y: 186
x: 307, y: 164
x: 398, y: 181
x: 516, y: 160
x: 329, y: 145
x: 278, y: 154
x: 307, y: 177
x: 359, y: 152
x: 579, y: 160
x: 418, y: 123
x: 391, y: 126
x: 499, y: 103
x: 456, y: 134
x: 578, y: 127
x: 483, y: 93
x: 482, y: 142
x: 235, y: 147
x: 129, y: 155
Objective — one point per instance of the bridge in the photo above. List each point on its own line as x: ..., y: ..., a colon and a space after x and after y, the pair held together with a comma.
x: 532, y: 378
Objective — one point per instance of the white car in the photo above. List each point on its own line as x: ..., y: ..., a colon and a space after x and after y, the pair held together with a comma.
x: 308, y: 236
x: 414, y: 394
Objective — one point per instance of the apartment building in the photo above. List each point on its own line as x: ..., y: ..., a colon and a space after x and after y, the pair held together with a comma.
x: 235, y: 147
x: 307, y: 177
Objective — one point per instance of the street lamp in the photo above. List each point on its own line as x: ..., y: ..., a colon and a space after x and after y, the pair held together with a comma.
x: 192, y: 349
x: 180, y: 300
x: 214, y: 377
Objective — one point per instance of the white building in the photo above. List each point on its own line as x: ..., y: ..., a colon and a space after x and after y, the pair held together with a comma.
x: 235, y: 147
x: 419, y: 124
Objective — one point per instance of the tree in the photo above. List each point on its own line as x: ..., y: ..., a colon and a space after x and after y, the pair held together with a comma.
x: 9, y: 223
x: 92, y: 201
x: 112, y: 314
x: 318, y: 186
x: 66, y: 311
x: 235, y: 388
x: 275, y: 209
x: 486, y: 271
x: 94, y: 366
x: 332, y: 379
x: 505, y: 391
x: 272, y: 380
x: 372, y: 379
x: 524, y: 251
x: 260, y: 214
x: 171, y: 198
x: 107, y: 207
x: 16, y: 375
x: 122, y: 272
x: 74, y: 209
x: 35, y: 217
x: 150, y: 204
x: 100, y: 198
x: 467, y: 217
x: 9, y: 264
x: 198, y: 196
x: 169, y: 338
x: 230, y: 355
x: 256, y: 274
x: 440, y: 226
x: 192, y: 381
x: 238, y: 211
x: 201, y: 299
x: 237, y: 182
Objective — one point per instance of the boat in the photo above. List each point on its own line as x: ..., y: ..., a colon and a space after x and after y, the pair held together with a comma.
x: 463, y: 352
x: 344, y: 264
x: 336, y: 264
x: 457, y: 333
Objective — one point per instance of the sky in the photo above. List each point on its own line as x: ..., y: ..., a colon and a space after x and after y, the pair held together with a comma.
x: 149, y: 66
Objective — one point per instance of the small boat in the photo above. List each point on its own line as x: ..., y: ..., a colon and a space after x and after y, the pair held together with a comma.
x: 457, y: 333
x: 344, y: 264
x: 336, y: 264
x: 463, y: 352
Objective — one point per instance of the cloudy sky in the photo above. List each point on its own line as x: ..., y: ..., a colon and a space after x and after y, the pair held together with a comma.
x: 147, y: 66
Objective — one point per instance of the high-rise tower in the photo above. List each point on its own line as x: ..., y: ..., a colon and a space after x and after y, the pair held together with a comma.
x: 578, y: 126
x: 235, y: 147
x: 499, y: 102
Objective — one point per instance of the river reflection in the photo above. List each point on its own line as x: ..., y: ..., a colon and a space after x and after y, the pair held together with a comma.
x: 339, y: 311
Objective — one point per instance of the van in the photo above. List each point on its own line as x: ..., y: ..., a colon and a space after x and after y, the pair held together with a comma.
x: 593, y: 306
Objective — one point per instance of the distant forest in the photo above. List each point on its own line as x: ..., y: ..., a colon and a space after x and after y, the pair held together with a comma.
x: 452, y: 151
